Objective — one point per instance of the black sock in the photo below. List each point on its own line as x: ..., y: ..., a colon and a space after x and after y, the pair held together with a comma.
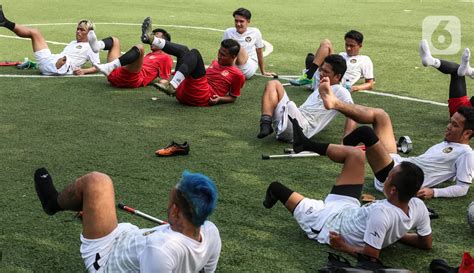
x: 265, y: 126
x: 364, y: 134
x: 46, y: 191
x: 108, y: 43
x: 383, y: 173
x: 276, y: 191
x: 309, y: 60
x: 311, y: 70
x: 302, y: 143
x: 130, y: 56
x: 5, y: 22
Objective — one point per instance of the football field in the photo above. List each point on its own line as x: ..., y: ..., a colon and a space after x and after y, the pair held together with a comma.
x: 75, y: 125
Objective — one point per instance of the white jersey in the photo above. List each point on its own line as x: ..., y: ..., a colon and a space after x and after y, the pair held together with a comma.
x: 250, y: 40
x: 314, y: 112
x: 445, y: 161
x: 380, y: 223
x: 161, y: 249
x: 78, y: 53
x: 358, y: 67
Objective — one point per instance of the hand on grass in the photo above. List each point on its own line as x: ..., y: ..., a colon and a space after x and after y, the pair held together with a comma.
x: 214, y: 99
x: 425, y: 193
x: 78, y: 72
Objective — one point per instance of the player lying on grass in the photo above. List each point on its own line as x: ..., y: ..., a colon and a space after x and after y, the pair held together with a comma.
x: 192, y: 84
x: 457, y: 85
x: 250, y: 56
x: 188, y: 243
x: 69, y: 61
x: 341, y: 222
x: 358, y: 66
x: 133, y: 69
x: 313, y: 117
x: 451, y: 158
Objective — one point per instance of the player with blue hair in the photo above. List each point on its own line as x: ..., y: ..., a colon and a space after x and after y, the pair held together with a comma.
x: 189, y: 243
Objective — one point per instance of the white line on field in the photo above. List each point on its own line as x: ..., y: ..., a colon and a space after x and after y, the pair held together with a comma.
x: 48, y: 77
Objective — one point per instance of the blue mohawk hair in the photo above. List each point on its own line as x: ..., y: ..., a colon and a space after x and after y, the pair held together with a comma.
x: 201, y: 193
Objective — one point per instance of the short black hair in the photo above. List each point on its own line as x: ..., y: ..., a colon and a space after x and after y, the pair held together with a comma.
x: 355, y: 35
x: 165, y: 33
x: 242, y: 12
x: 232, y: 45
x: 338, y: 64
x: 468, y: 114
x: 408, y: 180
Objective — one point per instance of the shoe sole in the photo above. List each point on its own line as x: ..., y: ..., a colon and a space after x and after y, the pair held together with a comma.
x: 146, y: 30
x: 165, y: 90
x: 173, y: 154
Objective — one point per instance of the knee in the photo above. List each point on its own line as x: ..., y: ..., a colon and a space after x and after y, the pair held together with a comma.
x: 97, y: 181
x: 381, y: 115
x: 325, y: 43
x: 273, y: 86
x: 116, y: 41
x: 35, y: 33
x: 140, y: 48
x: 358, y: 155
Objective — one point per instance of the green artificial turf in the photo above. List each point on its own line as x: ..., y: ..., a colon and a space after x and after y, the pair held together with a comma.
x: 76, y: 125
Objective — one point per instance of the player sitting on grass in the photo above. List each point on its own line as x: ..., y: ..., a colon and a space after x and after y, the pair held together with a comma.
x: 457, y: 85
x: 341, y: 222
x: 192, y: 84
x: 451, y: 158
x: 69, y: 61
x: 358, y: 66
x: 133, y: 69
x: 276, y: 106
x: 251, y: 44
x: 188, y: 243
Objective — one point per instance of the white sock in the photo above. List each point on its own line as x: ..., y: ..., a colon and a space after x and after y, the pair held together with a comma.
x: 465, y: 68
x: 178, y: 78
x: 158, y: 42
x: 95, y: 45
x: 107, y: 68
x: 425, y: 54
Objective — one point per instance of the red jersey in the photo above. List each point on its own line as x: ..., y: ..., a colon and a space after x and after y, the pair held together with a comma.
x: 219, y: 80
x: 154, y: 64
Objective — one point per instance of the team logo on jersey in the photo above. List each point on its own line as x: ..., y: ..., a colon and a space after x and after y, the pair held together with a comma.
x: 248, y: 39
x: 353, y: 61
x: 225, y: 73
x: 152, y: 57
x: 148, y: 232
x: 309, y: 211
x: 447, y: 150
x: 79, y: 46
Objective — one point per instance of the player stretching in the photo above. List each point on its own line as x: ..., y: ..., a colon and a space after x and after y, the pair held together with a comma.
x: 340, y: 221
x: 69, y: 61
x: 133, y: 69
x: 192, y: 84
x: 188, y: 243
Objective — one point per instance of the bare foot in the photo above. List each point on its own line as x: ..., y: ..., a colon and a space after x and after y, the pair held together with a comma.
x: 325, y: 91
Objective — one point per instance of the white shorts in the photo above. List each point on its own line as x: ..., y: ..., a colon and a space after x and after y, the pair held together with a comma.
x: 47, y: 63
x: 397, y: 159
x: 103, y: 247
x: 312, y: 214
x: 249, y: 68
x: 281, y: 123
